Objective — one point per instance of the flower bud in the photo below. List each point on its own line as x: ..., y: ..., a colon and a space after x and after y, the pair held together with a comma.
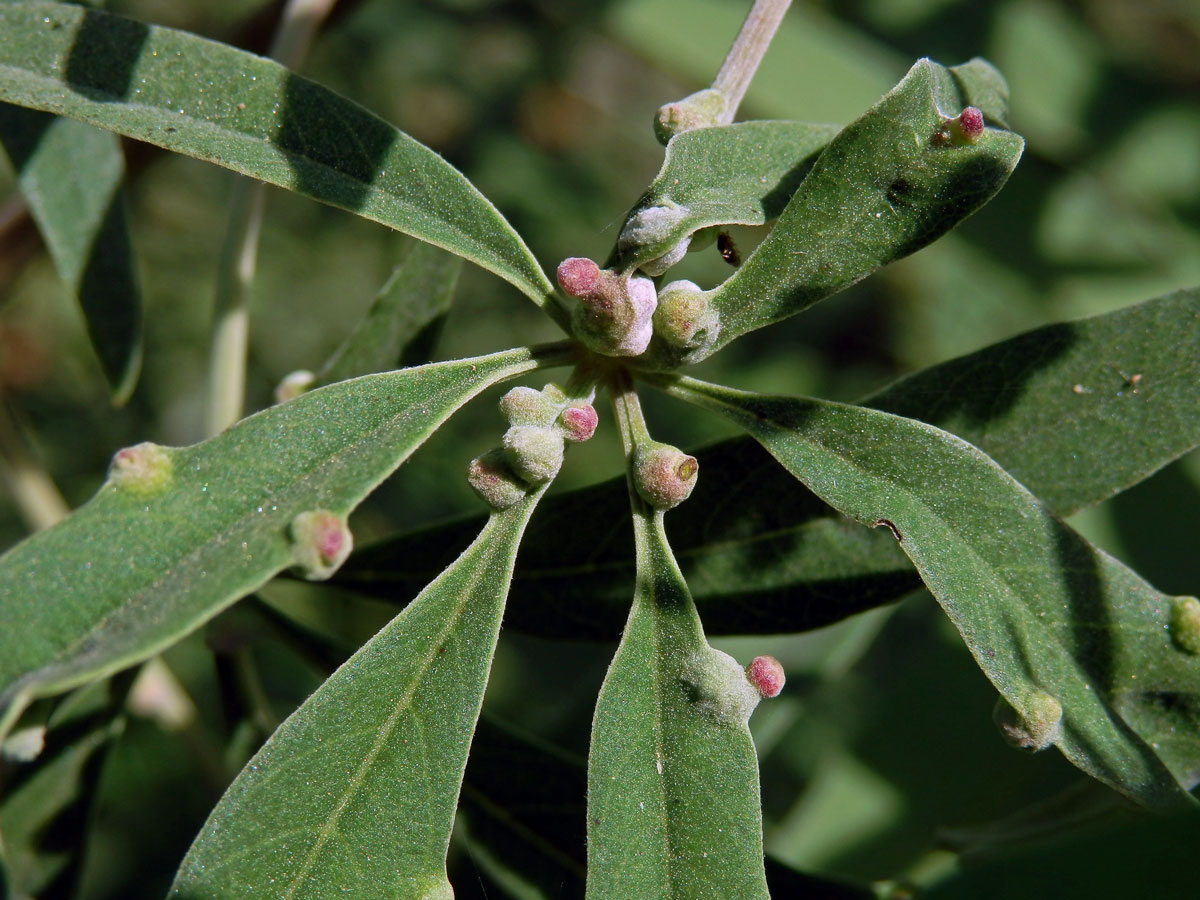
x: 684, y: 317
x: 702, y: 109
x: 144, y: 470
x: 718, y: 687
x: 766, y: 674
x: 650, y: 226
x: 321, y: 541
x: 1035, y: 726
x: 656, y: 267
x: 664, y: 475
x: 615, y: 313
x: 294, y: 385
x: 528, y: 406
x: 534, y: 452
x: 969, y: 124
x: 578, y: 422
x: 493, y: 480
x: 1185, y: 624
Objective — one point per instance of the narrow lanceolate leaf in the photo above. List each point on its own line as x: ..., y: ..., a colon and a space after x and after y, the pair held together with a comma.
x: 740, y: 174
x: 416, y: 295
x: 1091, y: 657
x: 251, y: 115
x: 356, y: 791
x: 887, y: 185
x: 673, y: 799
x: 72, y: 176
x: 175, y: 535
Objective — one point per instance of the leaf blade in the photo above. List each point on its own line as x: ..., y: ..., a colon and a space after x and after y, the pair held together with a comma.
x: 1043, y: 612
x: 398, y: 716
x: 216, y: 526
x: 673, y: 796
x: 251, y: 115
x: 72, y: 177
x: 906, y: 186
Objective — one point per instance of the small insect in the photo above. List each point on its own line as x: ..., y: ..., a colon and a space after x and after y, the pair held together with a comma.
x: 729, y: 251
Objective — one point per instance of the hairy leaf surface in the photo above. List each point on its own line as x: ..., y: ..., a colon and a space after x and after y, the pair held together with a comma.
x: 356, y: 791
x: 161, y: 549
x: 249, y: 114
x: 1052, y: 621
x: 887, y: 185
x: 673, y: 798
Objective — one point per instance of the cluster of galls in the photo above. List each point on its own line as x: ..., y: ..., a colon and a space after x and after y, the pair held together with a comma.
x: 531, y: 453
x: 622, y: 314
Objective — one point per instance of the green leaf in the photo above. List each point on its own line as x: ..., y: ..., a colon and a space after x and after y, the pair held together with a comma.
x: 356, y: 791
x: 740, y: 174
x: 673, y: 798
x: 251, y: 115
x: 1058, y: 626
x: 1076, y: 411
x: 759, y: 552
x: 887, y: 185
x: 175, y: 535
x: 72, y: 176
x: 417, y: 295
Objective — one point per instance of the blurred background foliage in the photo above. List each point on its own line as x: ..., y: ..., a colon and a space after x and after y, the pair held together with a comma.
x: 883, y: 738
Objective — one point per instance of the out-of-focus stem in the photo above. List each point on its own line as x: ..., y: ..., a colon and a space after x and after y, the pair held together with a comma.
x: 34, y: 493
x: 235, y: 274
x: 746, y: 53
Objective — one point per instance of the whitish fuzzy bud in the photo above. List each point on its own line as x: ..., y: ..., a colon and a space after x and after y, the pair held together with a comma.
x: 294, y: 385
x: 684, y: 317
x: 651, y: 225
x: 25, y: 744
x: 144, y: 470
x: 766, y: 674
x: 616, y: 316
x: 493, y: 480
x: 1035, y: 726
x: 718, y: 687
x: 1185, y: 623
x: 527, y: 406
x: 321, y: 541
x: 534, y: 452
x: 578, y: 422
x: 657, y: 266
x: 702, y: 109
x: 664, y: 475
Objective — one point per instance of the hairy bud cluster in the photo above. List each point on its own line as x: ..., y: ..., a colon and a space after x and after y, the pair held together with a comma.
x: 615, y: 311
x: 541, y: 423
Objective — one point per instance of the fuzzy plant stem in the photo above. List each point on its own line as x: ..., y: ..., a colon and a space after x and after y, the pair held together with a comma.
x: 239, y: 254
x: 747, y: 52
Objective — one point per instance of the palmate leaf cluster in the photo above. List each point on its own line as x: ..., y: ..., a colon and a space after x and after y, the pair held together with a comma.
x: 956, y: 479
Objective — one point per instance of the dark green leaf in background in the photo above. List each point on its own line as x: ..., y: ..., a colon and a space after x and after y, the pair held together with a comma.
x: 887, y: 185
x: 356, y: 791
x: 72, y: 178
x: 414, y: 299
x: 1054, y: 622
x: 251, y: 115
x: 161, y: 550
x: 673, y: 797
x: 741, y: 174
